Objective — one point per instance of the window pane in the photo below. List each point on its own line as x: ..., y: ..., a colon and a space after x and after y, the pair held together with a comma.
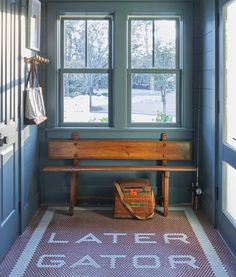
x: 229, y: 75
x: 74, y: 43
x: 141, y: 43
x: 165, y: 43
x: 229, y: 190
x: 98, y: 33
x: 86, y: 98
x: 153, y: 98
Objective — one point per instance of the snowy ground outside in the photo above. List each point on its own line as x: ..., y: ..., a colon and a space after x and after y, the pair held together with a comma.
x: 145, y: 105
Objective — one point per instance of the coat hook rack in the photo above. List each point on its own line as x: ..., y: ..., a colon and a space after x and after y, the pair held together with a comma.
x: 36, y: 60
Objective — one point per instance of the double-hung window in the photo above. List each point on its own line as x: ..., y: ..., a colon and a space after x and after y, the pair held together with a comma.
x: 153, y: 70
x: 85, y: 75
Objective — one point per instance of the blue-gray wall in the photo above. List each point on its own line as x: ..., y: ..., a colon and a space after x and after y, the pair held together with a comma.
x: 205, y: 87
x: 30, y: 174
x: 55, y: 186
x: 29, y: 143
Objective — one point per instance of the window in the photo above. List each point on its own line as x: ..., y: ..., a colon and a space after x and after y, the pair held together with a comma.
x: 85, y: 69
x: 153, y: 69
x: 122, y: 66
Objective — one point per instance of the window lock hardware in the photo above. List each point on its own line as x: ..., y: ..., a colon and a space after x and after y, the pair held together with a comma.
x: 3, y: 140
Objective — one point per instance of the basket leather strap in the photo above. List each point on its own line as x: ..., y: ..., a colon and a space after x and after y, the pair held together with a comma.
x: 121, y: 195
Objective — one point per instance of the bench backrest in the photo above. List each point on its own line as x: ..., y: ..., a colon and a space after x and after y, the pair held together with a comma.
x: 120, y: 149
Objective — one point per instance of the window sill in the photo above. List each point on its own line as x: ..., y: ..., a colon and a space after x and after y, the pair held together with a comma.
x: 115, y: 133
x: 111, y: 129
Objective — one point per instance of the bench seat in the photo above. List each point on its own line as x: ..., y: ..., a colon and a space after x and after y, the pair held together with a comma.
x: 69, y: 168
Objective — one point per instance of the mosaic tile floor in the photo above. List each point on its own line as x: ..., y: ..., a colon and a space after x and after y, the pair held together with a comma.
x: 93, y: 244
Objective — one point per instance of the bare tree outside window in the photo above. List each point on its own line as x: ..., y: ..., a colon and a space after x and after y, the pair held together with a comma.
x: 141, y: 43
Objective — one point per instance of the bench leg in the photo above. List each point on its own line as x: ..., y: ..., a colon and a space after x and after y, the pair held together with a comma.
x: 73, y: 184
x: 165, y: 191
x: 76, y: 189
x: 162, y: 188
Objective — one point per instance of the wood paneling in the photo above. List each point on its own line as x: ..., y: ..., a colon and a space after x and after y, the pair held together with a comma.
x: 9, y: 60
x: 7, y: 161
x: 9, y: 154
x: 207, y: 89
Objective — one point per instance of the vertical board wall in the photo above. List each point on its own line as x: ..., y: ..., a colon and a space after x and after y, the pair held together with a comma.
x: 19, y: 191
x: 29, y: 162
x: 205, y: 85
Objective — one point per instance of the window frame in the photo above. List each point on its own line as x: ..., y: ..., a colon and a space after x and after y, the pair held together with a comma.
x: 119, y: 10
x: 64, y: 70
x: 152, y: 70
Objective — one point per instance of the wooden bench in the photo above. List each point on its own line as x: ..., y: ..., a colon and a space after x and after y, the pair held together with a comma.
x: 158, y: 150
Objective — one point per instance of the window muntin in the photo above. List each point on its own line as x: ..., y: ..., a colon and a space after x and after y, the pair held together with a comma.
x: 154, y: 70
x: 86, y: 70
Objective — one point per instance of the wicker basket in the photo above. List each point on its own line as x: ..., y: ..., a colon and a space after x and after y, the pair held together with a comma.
x: 134, y: 198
